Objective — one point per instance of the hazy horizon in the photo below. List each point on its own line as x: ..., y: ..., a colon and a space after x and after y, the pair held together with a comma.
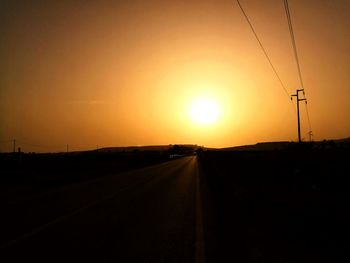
x: 114, y: 73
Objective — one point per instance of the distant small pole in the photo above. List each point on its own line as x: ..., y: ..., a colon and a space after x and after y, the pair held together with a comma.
x: 310, y: 136
x: 14, y: 145
x: 19, y: 155
x: 298, y: 100
x: 67, y: 148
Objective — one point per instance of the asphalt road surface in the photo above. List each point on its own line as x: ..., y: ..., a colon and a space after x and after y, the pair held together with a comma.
x: 148, y: 215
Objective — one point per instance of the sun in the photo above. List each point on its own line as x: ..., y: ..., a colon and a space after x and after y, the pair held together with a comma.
x: 204, y: 111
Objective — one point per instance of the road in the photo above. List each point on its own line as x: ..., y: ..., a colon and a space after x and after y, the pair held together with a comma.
x: 148, y: 215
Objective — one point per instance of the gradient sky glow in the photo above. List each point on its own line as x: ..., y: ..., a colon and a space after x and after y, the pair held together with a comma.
x: 117, y: 73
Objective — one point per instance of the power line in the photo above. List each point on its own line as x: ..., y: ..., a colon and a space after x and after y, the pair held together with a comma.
x: 62, y: 148
x: 262, y: 47
x: 308, y: 116
x: 58, y: 148
x: 291, y: 32
x: 40, y: 146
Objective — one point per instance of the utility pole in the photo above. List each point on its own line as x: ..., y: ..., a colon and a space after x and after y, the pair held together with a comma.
x: 67, y: 147
x: 14, y: 145
x: 310, y: 136
x: 298, y: 100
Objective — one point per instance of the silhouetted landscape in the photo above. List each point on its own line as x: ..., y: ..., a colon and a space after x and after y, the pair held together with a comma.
x: 286, y: 205
x: 26, y: 174
x: 273, y: 202
x: 166, y: 131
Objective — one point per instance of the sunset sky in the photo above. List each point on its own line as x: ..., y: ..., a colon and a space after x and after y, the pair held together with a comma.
x: 118, y: 73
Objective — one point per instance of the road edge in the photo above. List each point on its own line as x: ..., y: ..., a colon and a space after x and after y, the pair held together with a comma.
x: 199, y: 243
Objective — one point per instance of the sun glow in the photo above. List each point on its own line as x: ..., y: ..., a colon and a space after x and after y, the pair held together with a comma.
x: 204, y: 111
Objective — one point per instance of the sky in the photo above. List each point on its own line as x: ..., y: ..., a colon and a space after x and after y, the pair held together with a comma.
x: 116, y: 73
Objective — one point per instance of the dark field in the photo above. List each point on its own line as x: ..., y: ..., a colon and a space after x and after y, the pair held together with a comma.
x: 287, y: 205
x: 27, y: 175
x: 38, y: 188
x: 277, y: 206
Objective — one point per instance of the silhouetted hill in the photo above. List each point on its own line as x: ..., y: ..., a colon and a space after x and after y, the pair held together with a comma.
x: 261, y: 146
x: 275, y: 146
x: 150, y: 148
x: 344, y: 140
x: 133, y: 148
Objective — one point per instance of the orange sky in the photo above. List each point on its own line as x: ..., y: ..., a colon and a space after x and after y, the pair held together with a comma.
x: 116, y: 73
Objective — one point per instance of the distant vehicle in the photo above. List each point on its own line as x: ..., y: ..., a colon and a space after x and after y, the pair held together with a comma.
x: 172, y: 156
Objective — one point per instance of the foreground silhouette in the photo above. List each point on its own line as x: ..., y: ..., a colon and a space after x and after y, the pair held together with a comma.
x: 276, y: 202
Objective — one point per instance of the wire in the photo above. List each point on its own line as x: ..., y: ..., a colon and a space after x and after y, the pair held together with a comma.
x: 308, y: 117
x: 263, y: 49
x: 291, y: 32
x: 54, y: 147
x: 36, y: 145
